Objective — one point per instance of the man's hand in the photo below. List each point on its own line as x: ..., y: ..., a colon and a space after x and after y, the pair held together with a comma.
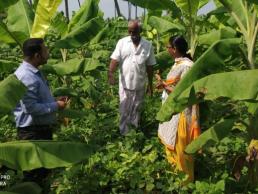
x: 112, y: 68
x: 62, y: 102
x: 111, y: 79
x: 149, y: 90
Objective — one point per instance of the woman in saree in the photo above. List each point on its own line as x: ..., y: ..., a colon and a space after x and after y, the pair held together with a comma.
x: 183, y: 127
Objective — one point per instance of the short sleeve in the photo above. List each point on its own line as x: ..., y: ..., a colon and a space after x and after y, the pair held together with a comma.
x: 151, y: 59
x: 116, y: 55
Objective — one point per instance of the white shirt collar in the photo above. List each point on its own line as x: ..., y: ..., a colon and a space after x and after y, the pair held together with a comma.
x: 30, y: 66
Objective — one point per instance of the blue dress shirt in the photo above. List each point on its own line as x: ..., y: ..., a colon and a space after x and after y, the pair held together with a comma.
x: 38, y: 106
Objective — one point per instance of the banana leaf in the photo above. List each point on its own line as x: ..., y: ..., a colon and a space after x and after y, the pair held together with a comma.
x: 59, y: 24
x: 11, y: 91
x: 163, y: 61
x: 25, y: 188
x: 101, y: 35
x: 44, y: 12
x: 190, y: 7
x: 236, y: 85
x: 245, y: 16
x: 65, y: 92
x: 91, y: 64
x: 11, y: 37
x: 20, y: 18
x: 29, y: 155
x: 102, y: 54
x: 237, y: 7
x: 216, y: 35
x: 163, y: 25
x: 72, y: 66
x: 6, y: 4
x: 7, y: 66
x: 213, y: 135
x: 81, y: 34
x: 157, y: 5
x: 212, y: 61
x: 252, y: 107
x: 88, y: 11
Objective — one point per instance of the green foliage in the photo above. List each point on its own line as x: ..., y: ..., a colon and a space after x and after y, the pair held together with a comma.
x: 20, y: 18
x: 7, y: 66
x: 10, y: 86
x: 155, y: 4
x: 28, y: 155
x: 88, y: 11
x: 81, y: 34
x: 163, y: 25
x: 6, y: 4
x: 215, y: 134
x: 216, y: 35
x: 230, y: 85
x: 72, y: 66
x: 24, y: 188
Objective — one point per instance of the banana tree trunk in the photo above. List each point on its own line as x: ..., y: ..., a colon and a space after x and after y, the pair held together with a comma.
x: 129, y: 10
x: 67, y: 10
x: 135, y: 11
x: 117, y: 8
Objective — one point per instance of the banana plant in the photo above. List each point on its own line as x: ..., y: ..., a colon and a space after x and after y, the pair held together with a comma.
x: 245, y: 16
x: 236, y: 86
x: 22, y: 23
x: 84, y: 26
x: 17, y: 26
x: 189, y: 11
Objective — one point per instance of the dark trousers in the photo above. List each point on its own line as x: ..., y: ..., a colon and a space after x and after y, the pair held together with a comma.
x: 42, y: 132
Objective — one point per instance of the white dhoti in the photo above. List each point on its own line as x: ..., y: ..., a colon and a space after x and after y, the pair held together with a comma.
x: 130, y: 108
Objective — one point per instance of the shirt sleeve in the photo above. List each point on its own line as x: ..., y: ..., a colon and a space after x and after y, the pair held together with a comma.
x: 116, y: 55
x: 151, y: 59
x: 31, y: 102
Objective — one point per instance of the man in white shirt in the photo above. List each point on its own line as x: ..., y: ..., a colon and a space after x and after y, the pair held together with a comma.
x: 136, y: 58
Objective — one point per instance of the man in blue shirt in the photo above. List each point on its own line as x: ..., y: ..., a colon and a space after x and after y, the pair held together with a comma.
x: 35, y: 113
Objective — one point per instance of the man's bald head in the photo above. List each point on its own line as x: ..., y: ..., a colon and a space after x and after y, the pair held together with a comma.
x: 134, y: 30
x: 134, y: 24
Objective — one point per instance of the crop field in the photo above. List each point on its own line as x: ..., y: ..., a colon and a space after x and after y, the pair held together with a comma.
x: 88, y: 154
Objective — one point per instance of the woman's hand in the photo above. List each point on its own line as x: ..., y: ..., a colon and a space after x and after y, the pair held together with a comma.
x: 159, y: 84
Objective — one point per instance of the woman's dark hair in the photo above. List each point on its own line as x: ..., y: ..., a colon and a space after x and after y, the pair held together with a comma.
x: 180, y: 44
x: 32, y: 46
